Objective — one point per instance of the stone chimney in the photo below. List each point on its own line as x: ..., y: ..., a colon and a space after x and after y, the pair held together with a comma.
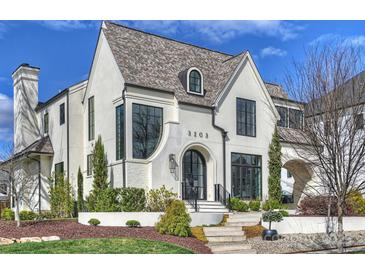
x: 26, y: 124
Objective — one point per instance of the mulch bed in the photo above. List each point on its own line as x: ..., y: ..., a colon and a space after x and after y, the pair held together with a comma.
x: 67, y: 229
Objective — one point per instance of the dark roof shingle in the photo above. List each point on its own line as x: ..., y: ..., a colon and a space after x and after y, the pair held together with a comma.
x: 156, y: 62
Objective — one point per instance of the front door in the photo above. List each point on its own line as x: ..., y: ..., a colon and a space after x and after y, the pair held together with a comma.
x: 194, y: 176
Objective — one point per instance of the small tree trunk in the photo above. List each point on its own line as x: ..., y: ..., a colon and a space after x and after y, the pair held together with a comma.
x: 340, y: 233
x: 17, y: 215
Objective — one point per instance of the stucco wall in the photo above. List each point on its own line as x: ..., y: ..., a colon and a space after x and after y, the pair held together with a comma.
x: 306, y: 225
x: 106, y: 84
x: 145, y: 218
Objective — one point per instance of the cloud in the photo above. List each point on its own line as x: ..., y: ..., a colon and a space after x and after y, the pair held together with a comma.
x: 6, y: 118
x: 354, y: 40
x: 221, y: 31
x: 64, y: 25
x: 271, y: 51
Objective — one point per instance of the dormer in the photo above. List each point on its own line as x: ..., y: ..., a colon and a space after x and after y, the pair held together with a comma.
x: 195, y: 81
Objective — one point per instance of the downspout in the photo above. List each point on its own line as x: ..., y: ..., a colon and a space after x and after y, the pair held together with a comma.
x: 125, y: 139
x: 68, y: 135
x: 224, y: 139
x: 39, y: 184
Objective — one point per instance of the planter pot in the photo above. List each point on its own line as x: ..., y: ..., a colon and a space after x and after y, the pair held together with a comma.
x: 270, y: 235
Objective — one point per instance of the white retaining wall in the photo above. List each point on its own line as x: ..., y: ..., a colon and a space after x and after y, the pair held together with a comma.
x: 145, y: 218
x: 308, y: 224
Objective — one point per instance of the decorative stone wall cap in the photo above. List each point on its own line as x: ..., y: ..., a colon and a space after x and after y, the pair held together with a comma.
x: 51, y: 238
x: 30, y: 240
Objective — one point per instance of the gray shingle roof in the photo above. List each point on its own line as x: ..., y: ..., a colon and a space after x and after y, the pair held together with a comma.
x: 156, y: 62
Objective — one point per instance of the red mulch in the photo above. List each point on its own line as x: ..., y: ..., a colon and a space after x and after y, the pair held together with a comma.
x: 70, y: 229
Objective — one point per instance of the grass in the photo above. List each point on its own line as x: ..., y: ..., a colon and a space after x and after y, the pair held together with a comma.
x: 96, y: 246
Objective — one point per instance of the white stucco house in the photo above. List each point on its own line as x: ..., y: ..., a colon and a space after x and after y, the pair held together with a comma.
x: 169, y: 113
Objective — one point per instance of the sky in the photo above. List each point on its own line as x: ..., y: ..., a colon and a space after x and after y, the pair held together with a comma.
x: 63, y: 50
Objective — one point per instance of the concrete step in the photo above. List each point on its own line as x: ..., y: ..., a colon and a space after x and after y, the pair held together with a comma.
x: 209, y: 210
x: 223, y: 233
x: 240, y: 224
x: 244, y: 215
x: 243, y: 251
x: 222, y: 229
x: 226, y: 239
x: 243, y: 220
x: 237, y: 246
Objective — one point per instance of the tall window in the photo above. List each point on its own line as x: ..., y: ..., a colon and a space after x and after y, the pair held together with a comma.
x: 119, y: 128
x: 45, y: 123
x: 147, y: 130
x: 195, y: 82
x: 91, y: 118
x: 246, y: 117
x: 58, y: 168
x: 89, y: 165
x: 62, y: 114
x: 295, y: 118
x: 283, y: 112
x: 246, y: 176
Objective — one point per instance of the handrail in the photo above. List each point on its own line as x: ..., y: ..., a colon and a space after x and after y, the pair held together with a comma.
x: 190, y: 194
x: 222, y: 195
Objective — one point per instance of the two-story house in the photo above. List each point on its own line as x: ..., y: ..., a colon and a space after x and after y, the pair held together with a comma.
x: 169, y: 113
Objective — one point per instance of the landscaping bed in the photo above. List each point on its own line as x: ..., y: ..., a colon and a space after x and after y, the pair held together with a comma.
x: 296, y: 243
x: 69, y: 229
x: 96, y: 246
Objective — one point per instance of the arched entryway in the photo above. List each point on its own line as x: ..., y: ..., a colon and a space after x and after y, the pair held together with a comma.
x: 194, y: 175
x: 298, y: 174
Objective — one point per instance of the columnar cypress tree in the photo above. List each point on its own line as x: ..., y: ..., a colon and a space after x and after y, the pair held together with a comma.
x: 275, y: 167
x: 100, y: 169
x: 80, y: 191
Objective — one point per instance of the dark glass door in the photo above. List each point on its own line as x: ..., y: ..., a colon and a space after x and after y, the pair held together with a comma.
x: 194, y: 176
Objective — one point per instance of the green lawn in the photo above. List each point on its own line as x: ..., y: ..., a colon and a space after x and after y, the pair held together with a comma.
x: 96, y: 246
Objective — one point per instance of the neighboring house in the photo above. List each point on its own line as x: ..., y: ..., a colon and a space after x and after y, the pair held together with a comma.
x: 4, y: 191
x: 169, y: 113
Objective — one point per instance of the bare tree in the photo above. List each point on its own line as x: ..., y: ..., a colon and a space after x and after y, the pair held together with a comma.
x: 20, y: 181
x: 332, y: 141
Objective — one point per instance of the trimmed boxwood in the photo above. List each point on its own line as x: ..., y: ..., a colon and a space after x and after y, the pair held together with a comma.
x: 238, y: 205
x: 133, y: 223
x: 7, y: 214
x: 26, y: 215
x: 94, y: 222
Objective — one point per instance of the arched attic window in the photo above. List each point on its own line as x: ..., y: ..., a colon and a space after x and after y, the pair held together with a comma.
x: 195, y: 81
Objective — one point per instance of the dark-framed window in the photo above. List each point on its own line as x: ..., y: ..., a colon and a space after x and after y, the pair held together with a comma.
x: 246, y: 176
x: 91, y: 118
x: 283, y: 112
x: 147, y: 129
x: 58, y: 168
x: 295, y: 118
x: 62, y: 113
x: 46, y: 122
x: 89, y: 165
x: 119, y: 130
x: 246, y: 117
x: 195, y: 82
x: 359, y: 121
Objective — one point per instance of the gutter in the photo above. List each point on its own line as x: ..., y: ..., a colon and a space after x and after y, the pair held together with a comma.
x: 39, y: 183
x: 125, y: 139
x: 68, y: 134
x: 224, y: 140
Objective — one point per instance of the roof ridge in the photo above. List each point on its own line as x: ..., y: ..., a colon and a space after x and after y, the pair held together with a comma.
x: 234, y: 56
x: 170, y: 39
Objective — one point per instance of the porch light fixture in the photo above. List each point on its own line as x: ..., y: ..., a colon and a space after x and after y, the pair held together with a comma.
x: 172, y: 163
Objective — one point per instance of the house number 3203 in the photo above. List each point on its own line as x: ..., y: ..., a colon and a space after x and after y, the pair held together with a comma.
x: 197, y: 134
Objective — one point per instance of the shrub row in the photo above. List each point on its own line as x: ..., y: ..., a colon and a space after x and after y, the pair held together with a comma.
x: 242, y: 206
x: 24, y: 215
x: 319, y: 205
x: 130, y: 199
